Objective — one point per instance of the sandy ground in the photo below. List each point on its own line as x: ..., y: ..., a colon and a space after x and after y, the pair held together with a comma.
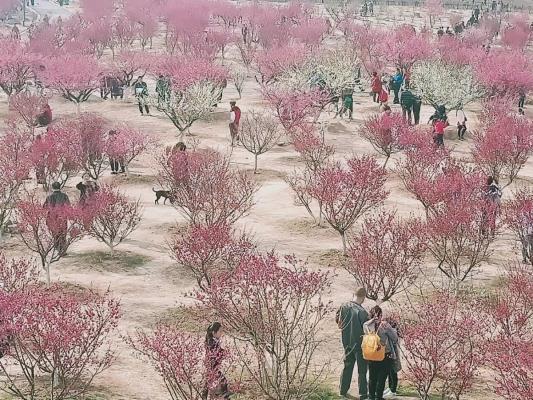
x: 150, y: 290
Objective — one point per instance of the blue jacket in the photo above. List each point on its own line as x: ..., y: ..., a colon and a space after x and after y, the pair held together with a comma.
x: 398, y: 79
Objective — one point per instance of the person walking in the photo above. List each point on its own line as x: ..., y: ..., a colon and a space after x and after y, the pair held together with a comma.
x: 521, y: 99
x: 234, y: 118
x: 117, y: 165
x: 87, y: 187
x: 397, y: 81
x: 379, y: 370
x: 162, y: 88
x: 56, y: 220
x: 417, y: 106
x: 407, y: 100
x: 141, y: 92
x: 376, y: 86
x: 214, y: 355
x: 347, y: 103
x: 350, y: 318
x: 461, y: 127
x: 391, y: 391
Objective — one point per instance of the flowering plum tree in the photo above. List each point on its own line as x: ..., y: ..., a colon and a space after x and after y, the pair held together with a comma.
x: 27, y: 107
x: 384, y: 132
x: 347, y: 193
x: 17, y: 275
x: 15, y: 166
x: 443, y: 346
x: 48, y: 231
x: 274, y: 306
x: 111, y: 217
x: 209, y: 250
x: 58, y: 341
x: 367, y: 42
x: 75, y: 77
x: 502, y: 148
x: 386, y: 255
x: 258, y: 133
x: 518, y: 217
x: 125, y: 144
x: 445, y: 84
x: 204, y: 187
x: 16, y: 66
x: 404, y: 47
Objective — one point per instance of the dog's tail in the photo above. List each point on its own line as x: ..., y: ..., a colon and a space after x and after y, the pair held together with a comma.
x: 153, y: 190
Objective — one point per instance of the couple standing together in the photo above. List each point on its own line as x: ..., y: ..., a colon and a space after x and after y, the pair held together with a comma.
x: 355, y: 322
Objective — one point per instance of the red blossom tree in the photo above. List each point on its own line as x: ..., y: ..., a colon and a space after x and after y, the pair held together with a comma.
x: 442, y: 343
x: 367, y: 42
x: 48, y: 231
x: 386, y: 255
x: 275, y: 306
x: 111, y: 217
x: 58, y: 341
x: 131, y: 63
x: 258, y: 133
x: 348, y: 192
x: 92, y: 133
x: 205, y: 188
x: 404, y: 47
x: 503, y: 147
x: 209, y: 250
x: 75, y: 77
x: 384, y: 132
x: 273, y: 62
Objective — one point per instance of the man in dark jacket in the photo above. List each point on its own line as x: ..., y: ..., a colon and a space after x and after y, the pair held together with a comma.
x: 350, y: 318
x: 56, y: 220
x: 141, y: 92
x: 407, y: 101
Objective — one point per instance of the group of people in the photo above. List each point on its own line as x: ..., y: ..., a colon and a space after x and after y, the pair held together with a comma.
x: 355, y: 322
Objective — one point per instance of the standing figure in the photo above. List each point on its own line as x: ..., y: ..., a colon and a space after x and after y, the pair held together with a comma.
x: 216, y: 382
x: 141, y: 92
x: 397, y: 81
x: 376, y: 86
x: 56, y: 220
x: 234, y: 118
x: 347, y: 103
x: 350, y: 318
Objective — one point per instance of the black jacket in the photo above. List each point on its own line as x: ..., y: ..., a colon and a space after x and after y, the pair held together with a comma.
x: 57, y: 198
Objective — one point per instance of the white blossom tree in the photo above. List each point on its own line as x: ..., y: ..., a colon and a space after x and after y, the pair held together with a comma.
x: 445, y: 84
x: 186, y: 107
x: 258, y: 134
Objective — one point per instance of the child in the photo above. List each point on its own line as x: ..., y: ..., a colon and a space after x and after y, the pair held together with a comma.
x: 461, y: 128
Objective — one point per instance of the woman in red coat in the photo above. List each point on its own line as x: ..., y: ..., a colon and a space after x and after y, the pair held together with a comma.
x: 376, y: 86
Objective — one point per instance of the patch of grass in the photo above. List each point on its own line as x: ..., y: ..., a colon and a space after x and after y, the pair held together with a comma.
x: 122, y: 261
x: 187, y: 319
x: 410, y: 391
x: 324, y: 393
x: 332, y: 258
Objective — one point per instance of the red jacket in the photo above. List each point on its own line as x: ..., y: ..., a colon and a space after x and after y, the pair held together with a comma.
x: 383, y: 96
x: 237, y: 112
x: 439, y: 127
x: 376, y: 84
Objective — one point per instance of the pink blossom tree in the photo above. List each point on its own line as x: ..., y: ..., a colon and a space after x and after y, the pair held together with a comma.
x: 509, y: 316
x: 503, y: 147
x: 367, y: 42
x: 130, y: 63
x: 209, y: 250
x: 27, y: 107
x: 125, y: 144
x: 92, y: 133
x: 518, y: 34
x: 15, y: 165
x: 346, y: 193
x: 384, y: 132
x: 258, y: 133
x: 58, y: 154
x: 17, y: 275
x: 143, y: 13
x: 518, y: 217
x: 273, y: 62
x: 16, y: 66
x: 386, y: 255
x: 434, y: 9
x: 111, y: 217
x: 205, y: 188
x: 58, y: 341
x: 404, y: 47
x: 274, y: 306
x: 459, y: 237
x: 443, y: 346
x: 48, y: 231
x: 75, y: 77
x: 179, y: 358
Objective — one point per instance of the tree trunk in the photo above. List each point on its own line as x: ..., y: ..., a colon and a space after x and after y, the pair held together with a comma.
x: 111, y: 250
x: 255, y: 164
x: 78, y: 108
x: 47, y: 269
x: 344, y: 249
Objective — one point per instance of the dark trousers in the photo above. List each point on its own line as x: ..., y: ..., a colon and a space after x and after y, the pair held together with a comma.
x: 375, y: 97
x: 407, y: 114
x: 378, y: 374
x: 416, y: 111
x: 393, y: 380
x: 439, y: 140
x: 351, y: 356
x: 521, y: 101
x: 117, y: 166
x: 461, y: 130
x: 145, y: 107
x: 396, y: 89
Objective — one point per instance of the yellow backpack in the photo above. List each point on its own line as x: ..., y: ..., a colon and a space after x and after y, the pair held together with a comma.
x: 373, y: 349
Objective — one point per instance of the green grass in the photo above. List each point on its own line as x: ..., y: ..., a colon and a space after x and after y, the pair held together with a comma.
x: 122, y: 261
x: 410, y: 391
x: 324, y: 393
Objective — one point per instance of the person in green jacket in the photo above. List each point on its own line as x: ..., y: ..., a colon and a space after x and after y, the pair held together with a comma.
x: 350, y: 318
x: 141, y: 92
x: 347, y: 103
x: 162, y: 88
x: 407, y: 100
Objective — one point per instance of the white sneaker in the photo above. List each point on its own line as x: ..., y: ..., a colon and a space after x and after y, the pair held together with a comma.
x: 389, y: 395
x: 386, y: 392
